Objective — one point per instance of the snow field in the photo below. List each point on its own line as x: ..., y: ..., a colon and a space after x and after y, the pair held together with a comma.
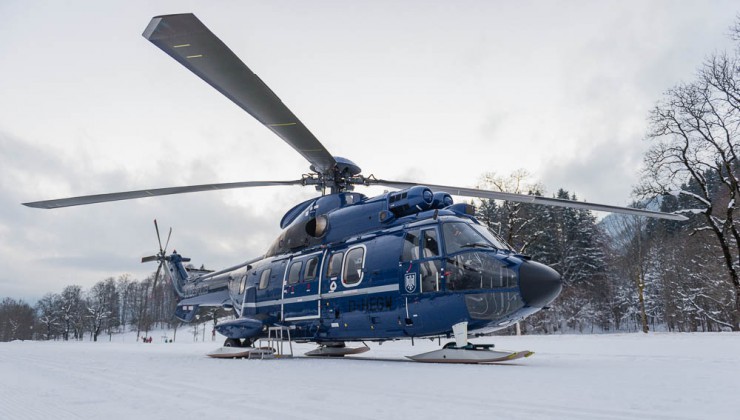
x: 655, y: 376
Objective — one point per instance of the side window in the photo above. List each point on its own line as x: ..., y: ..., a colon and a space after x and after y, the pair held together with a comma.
x: 311, y: 269
x: 431, y: 243
x: 294, y: 273
x: 243, y: 285
x: 410, y: 246
x: 264, y: 279
x: 353, y: 264
x: 335, y: 265
x: 429, y: 270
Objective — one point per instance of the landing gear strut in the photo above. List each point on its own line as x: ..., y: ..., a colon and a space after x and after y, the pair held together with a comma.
x: 233, y: 342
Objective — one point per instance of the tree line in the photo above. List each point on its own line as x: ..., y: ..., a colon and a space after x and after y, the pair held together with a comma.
x: 106, y: 308
x: 621, y: 273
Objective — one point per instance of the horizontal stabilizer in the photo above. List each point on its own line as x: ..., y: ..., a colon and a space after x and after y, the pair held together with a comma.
x: 218, y: 298
x: 240, y: 328
x: 188, y: 308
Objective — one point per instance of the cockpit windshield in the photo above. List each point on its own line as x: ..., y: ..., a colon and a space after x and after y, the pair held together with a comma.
x: 492, y: 237
x: 470, y: 264
x: 461, y: 236
x: 464, y: 236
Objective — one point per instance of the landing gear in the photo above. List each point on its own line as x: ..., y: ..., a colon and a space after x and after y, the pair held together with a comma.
x: 235, y: 348
x: 233, y: 342
x: 460, y: 351
x: 336, y: 349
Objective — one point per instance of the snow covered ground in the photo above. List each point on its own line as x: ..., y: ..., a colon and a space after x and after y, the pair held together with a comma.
x: 624, y: 376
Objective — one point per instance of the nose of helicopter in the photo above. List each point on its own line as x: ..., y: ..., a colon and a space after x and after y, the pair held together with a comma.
x: 539, y: 284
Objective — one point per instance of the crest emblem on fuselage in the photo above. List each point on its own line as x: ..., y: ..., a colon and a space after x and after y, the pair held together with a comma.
x: 410, y: 281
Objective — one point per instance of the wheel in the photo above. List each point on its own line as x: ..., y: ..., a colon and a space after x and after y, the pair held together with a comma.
x: 232, y: 342
x: 450, y: 345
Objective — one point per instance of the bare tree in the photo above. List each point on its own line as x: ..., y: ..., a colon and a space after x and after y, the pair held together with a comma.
x: 694, y: 154
x: 47, y: 309
x: 630, y: 244
x: 72, y: 312
x: 102, y: 306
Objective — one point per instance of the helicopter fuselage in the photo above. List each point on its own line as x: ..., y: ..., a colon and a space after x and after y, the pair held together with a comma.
x: 404, y: 264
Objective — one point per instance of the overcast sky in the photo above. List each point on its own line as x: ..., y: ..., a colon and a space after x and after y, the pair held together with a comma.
x: 420, y: 91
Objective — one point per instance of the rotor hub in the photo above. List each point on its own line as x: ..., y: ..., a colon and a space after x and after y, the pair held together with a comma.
x: 342, y: 177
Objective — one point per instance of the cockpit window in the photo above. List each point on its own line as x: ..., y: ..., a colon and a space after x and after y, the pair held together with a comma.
x: 478, y: 270
x: 492, y: 237
x: 410, y: 246
x: 461, y: 236
x: 431, y: 244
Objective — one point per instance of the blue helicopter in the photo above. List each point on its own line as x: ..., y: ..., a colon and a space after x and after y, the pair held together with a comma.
x: 348, y: 268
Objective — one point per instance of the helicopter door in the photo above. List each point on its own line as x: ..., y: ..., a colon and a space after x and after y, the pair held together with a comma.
x: 430, y: 261
x: 421, y: 262
x: 301, y: 287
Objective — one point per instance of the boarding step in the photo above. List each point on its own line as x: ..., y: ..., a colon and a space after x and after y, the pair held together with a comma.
x: 277, y: 336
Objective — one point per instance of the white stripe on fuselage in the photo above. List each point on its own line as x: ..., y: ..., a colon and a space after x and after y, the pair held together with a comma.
x: 331, y: 295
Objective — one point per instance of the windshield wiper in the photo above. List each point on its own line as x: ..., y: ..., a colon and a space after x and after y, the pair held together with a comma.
x: 478, y: 245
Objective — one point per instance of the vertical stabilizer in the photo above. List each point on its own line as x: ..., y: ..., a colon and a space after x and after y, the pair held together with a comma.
x: 177, y: 272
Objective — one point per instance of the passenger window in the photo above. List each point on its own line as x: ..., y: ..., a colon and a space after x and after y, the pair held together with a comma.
x: 431, y: 244
x: 411, y: 246
x: 264, y: 279
x: 294, y: 274
x: 352, y: 273
x: 243, y: 285
x: 335, y: 265
x: 311, y: 269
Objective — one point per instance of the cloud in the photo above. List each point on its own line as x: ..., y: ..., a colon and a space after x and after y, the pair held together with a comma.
x: 44, y: 250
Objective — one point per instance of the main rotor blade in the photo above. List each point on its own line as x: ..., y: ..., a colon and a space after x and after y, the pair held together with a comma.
x: 534, y: 199
x: 128, y: 195
x: 186, y: 39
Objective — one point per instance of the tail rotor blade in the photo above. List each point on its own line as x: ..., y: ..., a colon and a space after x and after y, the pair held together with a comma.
x: 149, y: 258
x: 159, y: 239
x: 156, y: 275
x: 168, y: 240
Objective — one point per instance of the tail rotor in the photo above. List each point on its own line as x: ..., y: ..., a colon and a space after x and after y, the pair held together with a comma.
x: 161, y: 256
